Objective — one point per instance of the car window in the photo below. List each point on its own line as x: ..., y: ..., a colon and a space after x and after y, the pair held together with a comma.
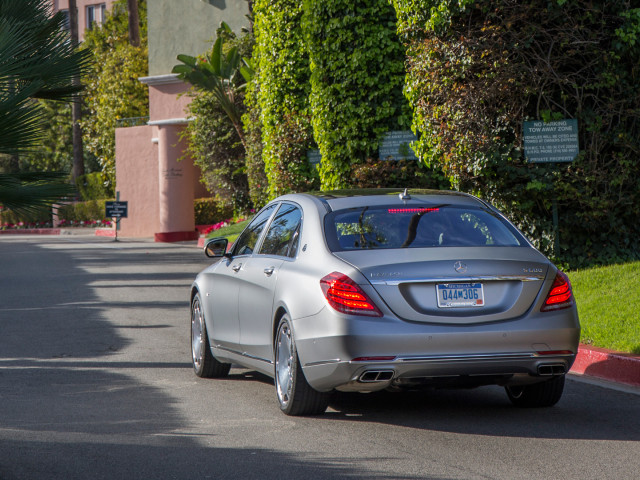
x: 246, y: 242
x: 284, y: 231
x: 391, y: 227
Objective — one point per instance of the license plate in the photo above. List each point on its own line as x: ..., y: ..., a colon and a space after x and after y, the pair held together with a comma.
x: 458, y: 295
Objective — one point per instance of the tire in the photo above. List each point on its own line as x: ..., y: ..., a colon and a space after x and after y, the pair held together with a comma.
x: 205, y: 364
x: 543, y: 394
x: 295, y: 396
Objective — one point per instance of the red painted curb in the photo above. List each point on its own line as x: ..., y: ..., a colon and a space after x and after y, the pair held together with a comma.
x: 608, y: 365
x: 32, y: 231
x: 105, y: 232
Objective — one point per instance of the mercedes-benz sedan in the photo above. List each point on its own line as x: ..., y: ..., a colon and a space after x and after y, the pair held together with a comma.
x: 359, y: 291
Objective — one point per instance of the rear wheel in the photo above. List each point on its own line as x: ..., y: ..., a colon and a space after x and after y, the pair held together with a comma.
x: 295, y: 395
x: 204, y: 363
x: 543, y: 394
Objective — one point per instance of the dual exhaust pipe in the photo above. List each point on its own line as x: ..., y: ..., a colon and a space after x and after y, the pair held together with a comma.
x: 551, y: 369
x: 374, y: 376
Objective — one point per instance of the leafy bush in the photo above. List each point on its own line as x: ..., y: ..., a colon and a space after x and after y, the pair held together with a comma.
x: 251, y: 120
x: 89, y: 211
x: 357, y: 71
x: 215, y: 147
x: 92, y: 186
x: 209, y: 211
x: 397, y: 174
x: 214, y: 136
x: 476, y: 70
x: 282, y: 66
x: 7, y: 217
x: 112, y: 89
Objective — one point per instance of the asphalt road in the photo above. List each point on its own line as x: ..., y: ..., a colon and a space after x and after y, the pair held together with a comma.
x: 96, y: 383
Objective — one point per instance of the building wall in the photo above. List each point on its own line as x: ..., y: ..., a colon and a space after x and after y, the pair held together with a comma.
x: 137, y: 180
x: 82, y: 11
x: 189, y: 27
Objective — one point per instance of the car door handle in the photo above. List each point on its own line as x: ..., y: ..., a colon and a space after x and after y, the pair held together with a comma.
x: 268, y: 271
x: 236, y: 268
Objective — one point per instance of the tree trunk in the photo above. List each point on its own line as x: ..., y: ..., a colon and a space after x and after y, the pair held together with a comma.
x: 76, y: 105
x: 134, y: 23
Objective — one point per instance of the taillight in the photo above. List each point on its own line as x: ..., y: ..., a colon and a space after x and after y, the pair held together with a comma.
x: 560, y: 295
x: 346, y: 296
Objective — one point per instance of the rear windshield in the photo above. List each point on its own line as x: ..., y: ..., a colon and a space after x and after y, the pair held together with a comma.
x: 366, y: 228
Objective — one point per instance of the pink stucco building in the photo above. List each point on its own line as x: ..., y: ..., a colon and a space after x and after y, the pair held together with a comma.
x: 90, y: 12
x: 152, y: 173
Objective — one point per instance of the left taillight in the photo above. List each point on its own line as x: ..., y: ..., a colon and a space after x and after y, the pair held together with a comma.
x: 560, y: 296
x: 344, y: 295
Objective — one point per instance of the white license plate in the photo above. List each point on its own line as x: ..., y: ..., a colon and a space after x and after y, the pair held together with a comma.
x: 458, y: 295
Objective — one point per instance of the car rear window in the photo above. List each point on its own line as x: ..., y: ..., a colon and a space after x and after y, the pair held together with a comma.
x: 366, y: 228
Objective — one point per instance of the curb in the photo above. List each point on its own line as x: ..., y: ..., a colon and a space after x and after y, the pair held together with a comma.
x: 607, y: 365
x: 100, y: 232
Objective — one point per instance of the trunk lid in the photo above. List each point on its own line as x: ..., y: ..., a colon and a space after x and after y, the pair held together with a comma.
x: 505, y: 281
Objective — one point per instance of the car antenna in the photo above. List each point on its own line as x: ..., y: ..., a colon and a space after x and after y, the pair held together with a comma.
x: 405, y: 195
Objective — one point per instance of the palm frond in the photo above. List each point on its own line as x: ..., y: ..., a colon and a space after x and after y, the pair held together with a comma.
x: 32, y: 192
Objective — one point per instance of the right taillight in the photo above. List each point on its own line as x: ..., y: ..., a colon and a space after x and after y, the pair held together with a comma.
x: 346, y: 296
x: 560, y: 296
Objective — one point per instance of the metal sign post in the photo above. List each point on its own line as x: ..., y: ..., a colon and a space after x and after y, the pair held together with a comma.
x: 116, y: 210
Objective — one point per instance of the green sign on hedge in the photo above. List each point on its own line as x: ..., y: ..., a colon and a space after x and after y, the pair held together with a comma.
x: 396, y: 146
x: 551, y: 142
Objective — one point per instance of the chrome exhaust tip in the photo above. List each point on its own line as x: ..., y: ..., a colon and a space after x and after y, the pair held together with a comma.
x: 552, y: 369
x: 372, y: 376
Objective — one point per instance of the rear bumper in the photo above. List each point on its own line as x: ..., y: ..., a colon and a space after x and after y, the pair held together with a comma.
x: 339, y: 352
x: 481, y: 369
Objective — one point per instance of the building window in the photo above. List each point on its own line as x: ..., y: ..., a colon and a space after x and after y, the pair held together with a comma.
x: 66, y: 25
x: 91, y: 16
x: 96, y: 14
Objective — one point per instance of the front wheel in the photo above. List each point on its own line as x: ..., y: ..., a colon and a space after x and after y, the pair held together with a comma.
x: 543, y: 394
x: 204, y: 363
x: 295, y: 395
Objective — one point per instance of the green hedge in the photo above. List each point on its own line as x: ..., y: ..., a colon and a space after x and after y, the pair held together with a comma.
x: 477, y: 70
x: 397, y: 174
x: 283, y: 75
x: 10, y: 218
x: 209, y: 211
x: 357, y: 73
x: 93, y: 186
x: 89, y: 211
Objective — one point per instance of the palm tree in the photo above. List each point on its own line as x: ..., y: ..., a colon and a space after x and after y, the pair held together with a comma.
x: 216, y: 72
x: 37, y: 61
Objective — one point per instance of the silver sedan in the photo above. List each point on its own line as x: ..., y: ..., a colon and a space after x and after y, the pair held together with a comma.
x: 359, y: 291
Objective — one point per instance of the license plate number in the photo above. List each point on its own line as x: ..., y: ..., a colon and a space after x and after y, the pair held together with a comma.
x: 460, y: 295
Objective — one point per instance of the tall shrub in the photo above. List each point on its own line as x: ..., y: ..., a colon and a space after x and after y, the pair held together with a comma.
x: 215, y: 147
x: 477, y: 70
x: 113, y: 91
x: 283, y: 74
x: 356, y: 64
x: 256, y: 176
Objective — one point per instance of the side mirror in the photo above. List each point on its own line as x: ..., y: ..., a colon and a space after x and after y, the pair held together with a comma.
x: 216, y: 247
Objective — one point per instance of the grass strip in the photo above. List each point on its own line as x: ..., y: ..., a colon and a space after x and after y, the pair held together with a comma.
x: 608, y: 301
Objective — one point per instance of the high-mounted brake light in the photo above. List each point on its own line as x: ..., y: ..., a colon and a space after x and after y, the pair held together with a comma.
x: 412, y: 210
x: 561, y: 295
x: 346, y: 296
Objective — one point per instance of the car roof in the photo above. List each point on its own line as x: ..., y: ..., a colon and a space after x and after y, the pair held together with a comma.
x: 351, y: 198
